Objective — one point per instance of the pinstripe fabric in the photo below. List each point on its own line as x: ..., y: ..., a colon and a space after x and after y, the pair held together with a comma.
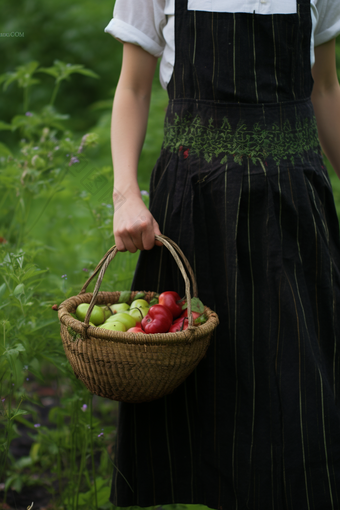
x: 257, y: 425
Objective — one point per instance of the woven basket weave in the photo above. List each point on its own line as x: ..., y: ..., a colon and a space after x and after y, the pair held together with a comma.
x: 132, y: 367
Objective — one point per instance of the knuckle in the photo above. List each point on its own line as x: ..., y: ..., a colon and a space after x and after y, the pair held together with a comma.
x: 131, y: 229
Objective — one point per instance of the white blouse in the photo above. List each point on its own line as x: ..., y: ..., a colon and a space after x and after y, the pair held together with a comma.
x: 151, y: 23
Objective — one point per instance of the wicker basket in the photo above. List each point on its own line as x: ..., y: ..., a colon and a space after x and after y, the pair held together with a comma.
x: 132, y: 367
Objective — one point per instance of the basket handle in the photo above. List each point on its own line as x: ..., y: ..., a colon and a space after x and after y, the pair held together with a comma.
x: 110, y: 255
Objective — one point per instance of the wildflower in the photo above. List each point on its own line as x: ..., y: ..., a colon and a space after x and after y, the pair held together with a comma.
x: 85, y: 269
x: 27, y: 378
x: 186, y: 154
x: 180, y: 148
x: 29, y: 114
x: 145, y: 193
x: 83, y: 408
x: 56, y: 148
x: 83, y: 140
x: 101, y: 434
x: 73, y: 161
x: 37, y: 425
x: 3, y: 400
x: 64, y: 276
x: 38, y: 162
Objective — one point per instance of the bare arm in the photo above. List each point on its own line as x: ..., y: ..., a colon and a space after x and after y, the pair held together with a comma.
x: 133, y: 225
x: 326, y: 102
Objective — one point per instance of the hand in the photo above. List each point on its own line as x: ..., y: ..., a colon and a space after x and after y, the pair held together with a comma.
x: 134, y: 227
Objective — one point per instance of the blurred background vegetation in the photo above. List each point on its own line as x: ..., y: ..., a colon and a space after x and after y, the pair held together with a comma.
x: 72, y: 32
x: 56, y: 215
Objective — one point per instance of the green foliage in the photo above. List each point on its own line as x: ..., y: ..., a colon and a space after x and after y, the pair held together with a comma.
x: 57, y: 224
x: 69, y: 31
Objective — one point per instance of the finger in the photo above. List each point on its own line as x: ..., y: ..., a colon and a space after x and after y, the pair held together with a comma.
x: 148, y: 236
x: 130, y: 243
x: 140, y: 232
x: 157, y: 232
x: 119, y: 243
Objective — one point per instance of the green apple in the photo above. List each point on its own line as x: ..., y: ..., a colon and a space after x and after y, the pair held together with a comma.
x: 107, y: 312
x: 124, y: 318
x: 139, y: 313
x: 97, y: 314
x: 139, y: 303
x: 114, y: 326
x: 119, y: 307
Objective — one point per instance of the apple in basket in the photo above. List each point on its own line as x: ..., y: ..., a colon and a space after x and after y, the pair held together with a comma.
x: 97, y: 315
x: 119, y: 307
x: 139, y: 303
x: 157, y: 320
x: 124, y: 318
x: 139, y: 313
x: 136, y: 329
x: 107, y: 312
x: 113, y: 326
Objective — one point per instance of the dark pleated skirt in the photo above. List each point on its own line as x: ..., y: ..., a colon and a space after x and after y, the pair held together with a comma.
x: 244, y: 192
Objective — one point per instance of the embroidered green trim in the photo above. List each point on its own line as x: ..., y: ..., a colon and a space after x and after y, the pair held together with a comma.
x: 194, y: 138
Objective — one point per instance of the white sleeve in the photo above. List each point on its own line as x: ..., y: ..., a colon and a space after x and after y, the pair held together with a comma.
x: 139, y: 22
x: 328, y: 20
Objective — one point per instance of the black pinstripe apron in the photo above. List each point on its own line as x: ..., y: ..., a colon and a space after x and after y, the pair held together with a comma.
x: 240, y: 185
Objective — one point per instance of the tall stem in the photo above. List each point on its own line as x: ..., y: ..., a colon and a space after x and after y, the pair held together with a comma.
x: 92, y: 458
x: 26, y: 99
x: 55, y: 92
x: 8, y: 434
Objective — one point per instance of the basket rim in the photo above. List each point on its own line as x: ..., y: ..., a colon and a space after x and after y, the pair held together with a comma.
x: 187, y: 336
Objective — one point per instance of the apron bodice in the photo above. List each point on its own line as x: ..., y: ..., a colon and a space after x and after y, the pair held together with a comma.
x: 242, y: 57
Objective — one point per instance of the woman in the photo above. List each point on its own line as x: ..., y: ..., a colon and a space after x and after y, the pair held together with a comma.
x: 240, y: 185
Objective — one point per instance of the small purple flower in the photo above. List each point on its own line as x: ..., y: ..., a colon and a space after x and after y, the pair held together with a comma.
x: 101, y: 434
x: 84, y: 407
x: 29, y: 114
x: 3, y: 400
x: 73, y: 161
x: 37, y: 425
x: 27, y: 378
x: 64, y: 276
x: 145, y: 193
x: 85, y: 269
